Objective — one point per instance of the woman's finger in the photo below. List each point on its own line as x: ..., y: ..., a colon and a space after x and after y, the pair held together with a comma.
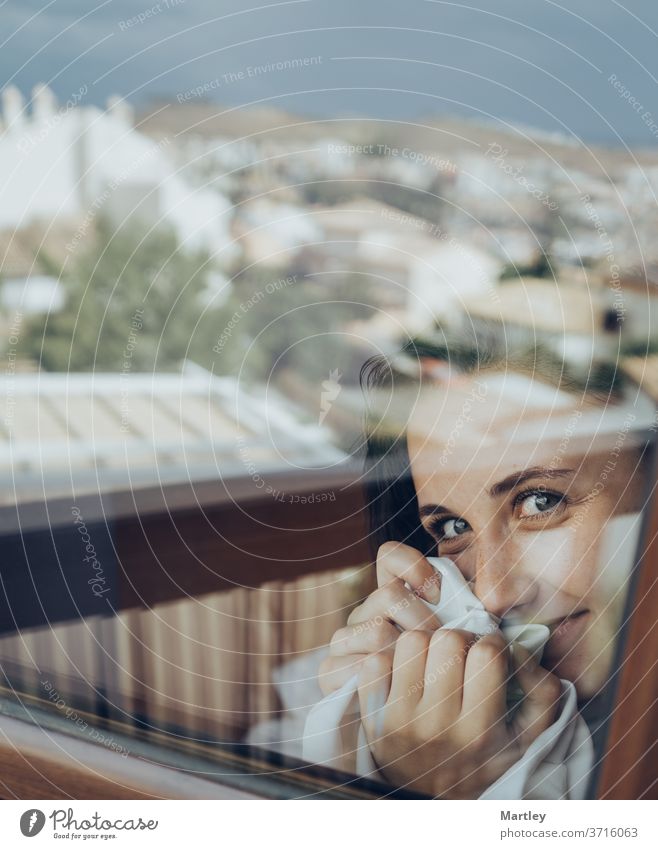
x: 367, y: 637
x: 398, y: 561
x: 374, y: 687
x: 542, y: 692
x: 409, y: 662
x: 395, y: 603
x: 333, y: 672
x: 444, y: 676
x: 486, y: 676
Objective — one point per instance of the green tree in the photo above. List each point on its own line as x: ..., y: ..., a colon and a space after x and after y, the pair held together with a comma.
x: 131, y: 286
x: 261, y: 331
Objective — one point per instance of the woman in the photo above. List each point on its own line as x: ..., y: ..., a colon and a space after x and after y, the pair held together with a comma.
x: 531, y: 480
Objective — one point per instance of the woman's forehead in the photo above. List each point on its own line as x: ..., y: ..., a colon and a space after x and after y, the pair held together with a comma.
x: 480, y: 406
x: 479, y: 419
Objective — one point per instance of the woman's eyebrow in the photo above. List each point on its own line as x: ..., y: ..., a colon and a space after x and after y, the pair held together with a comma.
x: 516, y: 479
x: 507, y: 484
x: 431, y: 509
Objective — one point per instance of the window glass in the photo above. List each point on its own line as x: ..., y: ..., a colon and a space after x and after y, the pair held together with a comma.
x: 326, y: 430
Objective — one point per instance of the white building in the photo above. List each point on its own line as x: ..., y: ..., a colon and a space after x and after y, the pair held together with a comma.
x: 272, y: 233
x: 579, y: 323
x: 445, y: 278
x: 77, y: 162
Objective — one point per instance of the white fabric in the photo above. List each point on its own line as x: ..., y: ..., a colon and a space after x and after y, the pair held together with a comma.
x: 555, y: 766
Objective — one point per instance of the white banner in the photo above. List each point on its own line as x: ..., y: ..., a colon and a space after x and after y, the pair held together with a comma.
x: 312, y: 824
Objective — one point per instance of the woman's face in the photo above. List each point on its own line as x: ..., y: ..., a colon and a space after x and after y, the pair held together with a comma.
x: 536, y: 502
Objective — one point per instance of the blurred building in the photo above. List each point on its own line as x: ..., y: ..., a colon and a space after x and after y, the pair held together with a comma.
x: 73, y: 162
x: 578, y: 323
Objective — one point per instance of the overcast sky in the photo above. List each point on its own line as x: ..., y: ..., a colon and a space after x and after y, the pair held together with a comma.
x: 534, y: 62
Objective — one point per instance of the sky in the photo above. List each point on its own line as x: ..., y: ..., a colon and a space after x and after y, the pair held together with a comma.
x: 584, y: 68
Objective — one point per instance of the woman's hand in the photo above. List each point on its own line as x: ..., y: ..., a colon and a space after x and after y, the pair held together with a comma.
x: 434, y: 710
x: 375, y: 625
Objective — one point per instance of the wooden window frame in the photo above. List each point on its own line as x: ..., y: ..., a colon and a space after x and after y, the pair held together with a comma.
x: 254, y: 539
x: 628, y: 768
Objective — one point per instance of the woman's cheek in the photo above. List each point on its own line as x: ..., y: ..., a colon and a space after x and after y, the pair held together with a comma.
x: 465, y: 560
x: 592, y: 559
x: 618, y: 550
x: 555, y: 556
x: 548, y: 556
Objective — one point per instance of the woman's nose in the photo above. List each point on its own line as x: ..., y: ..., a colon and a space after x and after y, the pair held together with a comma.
x: 502, y: 583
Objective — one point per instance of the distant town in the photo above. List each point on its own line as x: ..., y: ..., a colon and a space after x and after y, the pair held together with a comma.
x: 267, y: 251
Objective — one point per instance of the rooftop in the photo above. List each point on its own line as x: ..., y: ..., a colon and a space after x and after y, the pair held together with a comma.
x: 109, y: 431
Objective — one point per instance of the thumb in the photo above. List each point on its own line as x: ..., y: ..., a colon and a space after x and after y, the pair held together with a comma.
x: 541, y: 696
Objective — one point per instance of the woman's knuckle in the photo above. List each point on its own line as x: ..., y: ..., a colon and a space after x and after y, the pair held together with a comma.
x: 551, y: 688
x: 355, y: 614
x: 387, y: 550
x: 339, y: 637
x: 489, y: 651
x: 415, y: 574
x: 414, y: 640
x: 388, y: 632
x: 370, y: 641
x: 495, y: 639
x: 449, y: 641
x: 377, y: 663
x: 387, y: 597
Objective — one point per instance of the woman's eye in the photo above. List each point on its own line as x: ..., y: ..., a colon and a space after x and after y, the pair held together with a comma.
x: 536, y: 503
x: 451, y: 528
